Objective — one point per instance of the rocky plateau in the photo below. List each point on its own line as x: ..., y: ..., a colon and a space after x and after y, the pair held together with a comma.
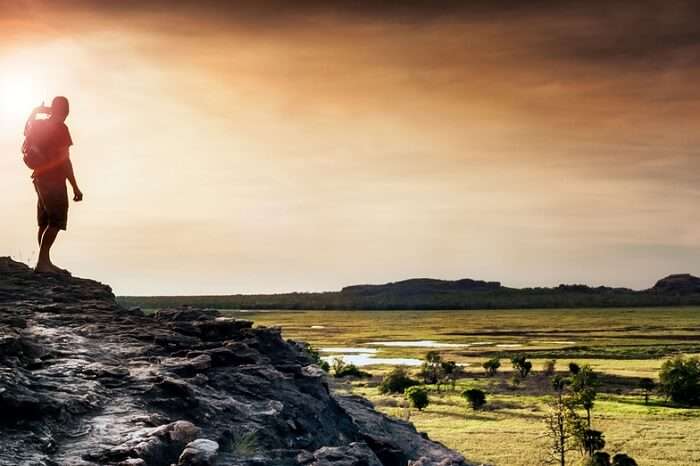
x: 85, y: 381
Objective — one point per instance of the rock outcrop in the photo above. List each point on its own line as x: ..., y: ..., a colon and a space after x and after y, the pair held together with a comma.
x: 682, y: 283
x: 84, y: 381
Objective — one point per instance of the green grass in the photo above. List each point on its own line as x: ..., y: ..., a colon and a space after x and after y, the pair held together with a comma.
x: 508, y: 430
x: 621, y: 344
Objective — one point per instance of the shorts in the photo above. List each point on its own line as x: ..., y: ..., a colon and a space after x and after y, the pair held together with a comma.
x: 52, y: 205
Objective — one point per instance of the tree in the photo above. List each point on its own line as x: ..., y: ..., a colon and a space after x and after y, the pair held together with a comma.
x: 561, y: 425
x: 622, y: 459
x: 558, y: 383
x: 647, y: 385
x: 679, y: 380
x: 592, y: 441
x: 574, y: 368
x: 396, y: 381
x: 491, y: 366
x: 521, y: 364
x: 583, y: 386
x: 449, y: 371
x: 475, y: 397
x: 585, y: 397
x: 417, y: 397
x: 549, y: 367
x: 584, y: 378
x: 432, y: 368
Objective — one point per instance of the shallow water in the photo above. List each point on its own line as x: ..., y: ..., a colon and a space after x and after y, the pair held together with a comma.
x: 418, y: 344
x: 348, y: 350
x: 370, y: 359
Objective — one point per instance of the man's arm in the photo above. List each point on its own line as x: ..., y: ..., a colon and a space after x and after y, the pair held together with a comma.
x: 77, y: 193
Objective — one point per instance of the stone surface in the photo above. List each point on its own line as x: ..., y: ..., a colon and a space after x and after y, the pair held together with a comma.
x: 85, y: 382
x: 355, y: 454
x: 201, y: 452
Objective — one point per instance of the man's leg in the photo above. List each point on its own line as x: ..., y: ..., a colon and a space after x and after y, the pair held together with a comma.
x: 44, y: 263
x: 42, y: 229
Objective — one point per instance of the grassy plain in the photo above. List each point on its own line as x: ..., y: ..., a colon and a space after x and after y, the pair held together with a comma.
x: 621, y: 344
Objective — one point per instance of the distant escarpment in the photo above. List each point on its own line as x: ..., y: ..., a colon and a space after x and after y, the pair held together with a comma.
x: 680, y: 284
x: 425, y: 293
x: 85, y: 381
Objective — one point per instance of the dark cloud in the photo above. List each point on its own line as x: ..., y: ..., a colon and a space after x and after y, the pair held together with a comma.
x: 645, y: 33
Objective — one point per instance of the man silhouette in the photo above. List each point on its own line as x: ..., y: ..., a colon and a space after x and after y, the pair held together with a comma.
x: 50, y: 180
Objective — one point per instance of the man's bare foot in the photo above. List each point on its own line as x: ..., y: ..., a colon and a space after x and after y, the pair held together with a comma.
x: 50, y: 268
x: 61, y: 271
x: 45, y: 268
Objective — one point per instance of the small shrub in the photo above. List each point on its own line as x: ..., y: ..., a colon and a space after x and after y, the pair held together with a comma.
x: 342, y: 369
x: 521, y: 364
x: 417, y: 397
x: 396, y: 381
x: 558, y: 383
x: 315, y: 356
x: 599, y: 458
x: 622, y: 459
x: 647, y: 385
x: 475, y: 397
x: 515, y: 381
x: 352, y: 370
x: 491, y: 366
x: 245, y: 445
x: 549, y: 367
x: 574, y: 368
x: 338, y: 366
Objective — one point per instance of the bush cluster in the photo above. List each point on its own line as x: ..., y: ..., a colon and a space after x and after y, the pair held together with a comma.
x: 397, y: 381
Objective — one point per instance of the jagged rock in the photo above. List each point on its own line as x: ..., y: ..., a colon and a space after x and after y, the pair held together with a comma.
x: 157, y: 446
x: 132, y: 462
x: 201, y: 452
x: 85, y: 382
x: 188, y: 367
x: 222, y: 328
x: 355, y: 454
x: 186, y: 314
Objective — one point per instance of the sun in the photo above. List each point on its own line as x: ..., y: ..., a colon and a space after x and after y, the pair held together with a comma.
x: 18, y: 96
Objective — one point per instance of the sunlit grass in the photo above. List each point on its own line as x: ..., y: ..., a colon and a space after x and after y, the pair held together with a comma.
x: 508, y: 430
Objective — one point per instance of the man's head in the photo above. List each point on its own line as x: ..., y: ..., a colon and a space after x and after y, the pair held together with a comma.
x: 60, y: 108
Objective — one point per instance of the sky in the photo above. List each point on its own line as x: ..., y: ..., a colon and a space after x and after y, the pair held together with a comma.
x: 270, y: 146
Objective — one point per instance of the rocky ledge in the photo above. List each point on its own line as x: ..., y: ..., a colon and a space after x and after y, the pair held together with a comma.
x: 84, y: 381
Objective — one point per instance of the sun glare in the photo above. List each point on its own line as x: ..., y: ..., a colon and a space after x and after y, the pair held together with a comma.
x: 18, y: 96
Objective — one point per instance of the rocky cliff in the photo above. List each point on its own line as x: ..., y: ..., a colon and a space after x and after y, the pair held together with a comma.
x: 84, y: 381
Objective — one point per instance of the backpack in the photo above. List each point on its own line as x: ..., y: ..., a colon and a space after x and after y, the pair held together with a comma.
x: 35, y: 153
